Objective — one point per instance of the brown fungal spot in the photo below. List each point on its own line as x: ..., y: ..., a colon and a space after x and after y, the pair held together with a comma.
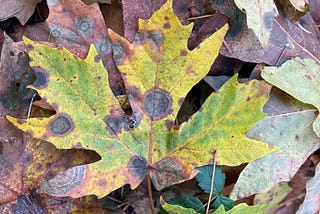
x: 248, y: 99
x: 65, y: 181
x: 166, y: 18
x: 138, y: 167
x: 42, y: 77
x: 102, y: 183
x: 166, y: 26
x: 140, y: 37
x: 296, y: 137
x: 61, y: 125
x: 168, y: 172
x: 103, y: 45
x: 157, y: 104
x: 156, y: 37
x: 183, y: 53
x: 113, y: 125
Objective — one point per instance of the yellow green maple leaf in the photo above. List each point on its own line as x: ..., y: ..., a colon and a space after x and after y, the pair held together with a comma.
x: 158, y: 71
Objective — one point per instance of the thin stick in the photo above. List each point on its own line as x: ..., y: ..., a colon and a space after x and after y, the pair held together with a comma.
x: 153, y: 210
x: 30, y: 105
x: 200, y: 17
x: 212, y: 180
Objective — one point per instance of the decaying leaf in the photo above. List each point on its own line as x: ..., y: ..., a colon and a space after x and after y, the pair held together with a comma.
x: 289, y: 126
x: 158, y: 71
x: 288, y: 38
x: 22, y: 10
x: 273, y: 197
x: 312, y: 198
x: 300, y: 5
x: 298, y: 77
x: 260, y: 15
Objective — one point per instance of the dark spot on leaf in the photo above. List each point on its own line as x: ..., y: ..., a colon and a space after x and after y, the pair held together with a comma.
x: 102, y: 183
x: 156, y: 37
x: 166, y: 18
x: 113, y: 124
x: 183, y: 53
x: 132, y: 93
x: 248, y: 99
x: 138, y: 167
x: 104, y: 45
x: 65, y: 181
x: 64, y: 59
x: 118, y: 52
x: 97, y: 58
x: 168, y: 171
x: 166, y: 26
x: 84, y: 25
x: 28, y: 158
x: 70, y: 81
x: 11, y: 53
x: 232, y: 136
x: 281, y: 133
x: 308, y: 77
x: 42, y: 77
x: 98, y: 77
x: 140, y: 37
x: 29, y: 47
x: 296, y: 137
x: 157, y: 104
x: 61, y: 125
x: 268, y: 20
x: 56, y: 33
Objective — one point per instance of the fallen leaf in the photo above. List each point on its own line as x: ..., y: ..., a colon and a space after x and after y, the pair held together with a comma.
x: 22, y: 10
x: 288, y: 38
x: 260, y: 15
x: 312, y: 198
x: 301, y: 5
x: 158, y: 70
x: 241, y: 208
x: 273, y: 197
x: 297, y: 77
x: 292, y: 132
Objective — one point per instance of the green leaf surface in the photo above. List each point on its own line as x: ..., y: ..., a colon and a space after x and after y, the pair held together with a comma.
x: 298, y: 77
x: 204, y: 179
x: 188, y: 202
x: 223, y: 200
x: 260, y: 15
x: 311, y: 201
x: 158, y: 71
x: 292, y: 132
x: 242, y: 208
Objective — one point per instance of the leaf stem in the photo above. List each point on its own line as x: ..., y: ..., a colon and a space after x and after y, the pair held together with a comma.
x: 212, y: 179
x: 150, y: 192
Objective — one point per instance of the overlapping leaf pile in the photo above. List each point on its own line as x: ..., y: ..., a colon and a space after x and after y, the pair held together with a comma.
x: 158, y: 71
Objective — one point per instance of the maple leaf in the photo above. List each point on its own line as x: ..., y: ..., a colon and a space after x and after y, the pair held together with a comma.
x: 297, y: 77
x: 158, y: 71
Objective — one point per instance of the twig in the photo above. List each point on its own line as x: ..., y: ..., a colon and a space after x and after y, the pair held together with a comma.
x: 212, y: 179
x: 150, y: 192
x: 200, y: 17
x: 30, y: 105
